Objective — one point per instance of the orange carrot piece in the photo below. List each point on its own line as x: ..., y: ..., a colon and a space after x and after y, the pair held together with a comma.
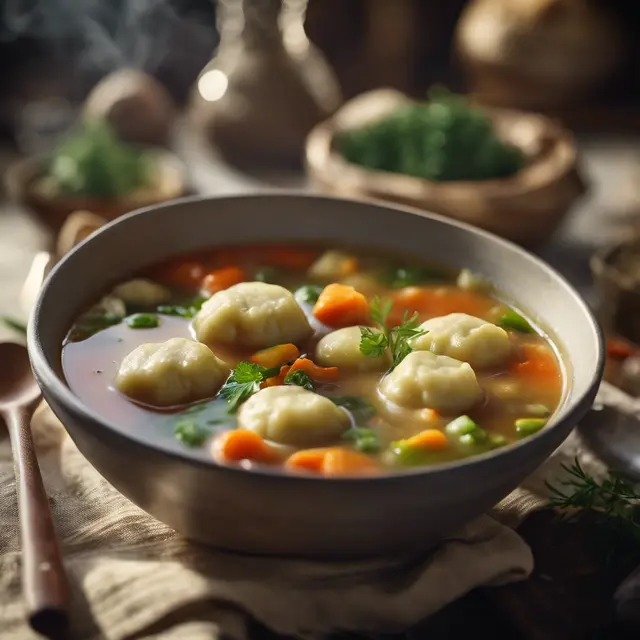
x: 440, y: 301
x: 315, y: 372
x: 278, y: 380
x: 341, y: 306
x: 183, y: 274
x: 619, y: 349
x: 223, y: 279
x: 289, y: 257
x: 307, y: 460
x: 345, y: 462
x: 539, y: 364
x: 242, y: 444
x: 431, y: 439
x: 273, y: 356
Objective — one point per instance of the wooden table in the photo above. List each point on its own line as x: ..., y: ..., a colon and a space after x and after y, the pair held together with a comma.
x: 568, y: 597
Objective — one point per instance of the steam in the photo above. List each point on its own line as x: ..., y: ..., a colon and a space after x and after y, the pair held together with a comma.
x: 104, y: 34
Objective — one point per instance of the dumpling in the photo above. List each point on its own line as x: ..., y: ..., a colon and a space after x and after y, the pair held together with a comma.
x: 341, y: 348
x: 293, y: 416
x: 142, y: 291
x: 424, y: 379
x: 164, y: 374
x: 253, y: 315
x: 333, y: 265
x: 467, y: 338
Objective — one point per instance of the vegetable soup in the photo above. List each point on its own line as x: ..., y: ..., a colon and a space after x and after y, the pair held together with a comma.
x: 318, y: 361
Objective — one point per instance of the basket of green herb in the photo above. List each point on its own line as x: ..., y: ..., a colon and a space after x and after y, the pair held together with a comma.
x: 515, y: 174
x: 91, y: 169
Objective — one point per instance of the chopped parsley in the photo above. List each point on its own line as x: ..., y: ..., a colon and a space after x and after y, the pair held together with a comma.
x: 244, y: 381
x: 375, y: 342
x: 309, y: 293
x: 513, y: 320
x: 187, y: 310
x: 360, y: 408
x: 91, y: 323
x: 142, y: 321
x: 364, y: 439
x: 401, y: 277
x: 190, y: 433
x: 299, y: 378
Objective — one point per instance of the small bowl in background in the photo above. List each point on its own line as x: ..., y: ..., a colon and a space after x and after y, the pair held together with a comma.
x: 169, y: 181
x: 525, y: 208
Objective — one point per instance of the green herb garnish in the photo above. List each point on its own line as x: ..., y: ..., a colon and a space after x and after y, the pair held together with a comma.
x: 308, y: 293
x: 374, y: 343
x: 94, y: 162
x: 142, y: 321
x: 401, y: 277
x: 266, y: 274
x: 14, y: 324
x: 299, y: 378
x: 187, y: 310
x: 190, y: 433
x: 611, y: 506
x: 364, y: 439
x: 91, y: 323
x: 513, y: 320
x: 360, y: 408
x: 444, y: 139
x: 244, y: 381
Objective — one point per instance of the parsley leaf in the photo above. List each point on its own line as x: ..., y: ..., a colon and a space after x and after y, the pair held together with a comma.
x: 142, y: 321
x: 299, y: 378
x: 364, y: 439
x: 360, y: 408
x: 190, y: 433
x: 244, y: 381
x: 187, y: 310
x: 308, y: 293
x: 374, y: 343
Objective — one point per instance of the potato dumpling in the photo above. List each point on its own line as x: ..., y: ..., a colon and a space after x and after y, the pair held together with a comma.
x: 164, y: 374
x: 293, y: 416
x: 333, y: 265
x: 341, y: 348
x: 142, y: 292
x: 467, y: 338
x: 253, y: 315
x: 424, y: 379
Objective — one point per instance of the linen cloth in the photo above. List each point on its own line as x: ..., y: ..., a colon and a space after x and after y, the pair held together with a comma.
x: 134, y: 578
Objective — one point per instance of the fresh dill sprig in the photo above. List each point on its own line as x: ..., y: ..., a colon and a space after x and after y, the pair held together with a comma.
x: 612, y: 506
x: 375, y: 342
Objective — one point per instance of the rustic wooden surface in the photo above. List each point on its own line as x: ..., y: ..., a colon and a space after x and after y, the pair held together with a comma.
x: 569, y: 595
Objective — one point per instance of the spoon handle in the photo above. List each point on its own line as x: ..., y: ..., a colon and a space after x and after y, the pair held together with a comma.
x: 43, y: 575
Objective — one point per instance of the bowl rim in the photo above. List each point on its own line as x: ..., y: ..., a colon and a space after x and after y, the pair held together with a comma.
x: 57, y: 388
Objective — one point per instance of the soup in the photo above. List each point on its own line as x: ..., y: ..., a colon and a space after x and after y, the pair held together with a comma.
x: 316, y: 361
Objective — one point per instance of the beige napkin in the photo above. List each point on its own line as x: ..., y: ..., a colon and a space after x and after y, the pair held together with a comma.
x: 132, y: 577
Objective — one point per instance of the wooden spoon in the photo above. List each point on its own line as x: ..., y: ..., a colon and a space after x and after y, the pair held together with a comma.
x: 43, y: 577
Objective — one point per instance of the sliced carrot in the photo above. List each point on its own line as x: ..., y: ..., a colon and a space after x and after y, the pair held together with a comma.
x: 619, y: 349
x: 440, y: 301
x: 431, y: 439
x: 289, y: 257
x: 278, y: 380
x: 345, y: 462
x: 307, y: 460
x: 315, y: 372
x: 538, y: 363
x: 242, y: 444
x: 185, y: 274
x: 341, y: 306
x: 221, y: 279
x: 273, y: 356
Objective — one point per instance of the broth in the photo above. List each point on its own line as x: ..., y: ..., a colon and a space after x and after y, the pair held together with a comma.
x: 387, y: 430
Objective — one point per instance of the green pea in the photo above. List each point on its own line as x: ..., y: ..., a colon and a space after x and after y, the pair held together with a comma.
x: 475, y: 437
x: 537, y: 410
x: 528, y: 426
x: 513, y: 320
x: 460, y: 426
x: 142, y: 321
x: 497, y: 440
